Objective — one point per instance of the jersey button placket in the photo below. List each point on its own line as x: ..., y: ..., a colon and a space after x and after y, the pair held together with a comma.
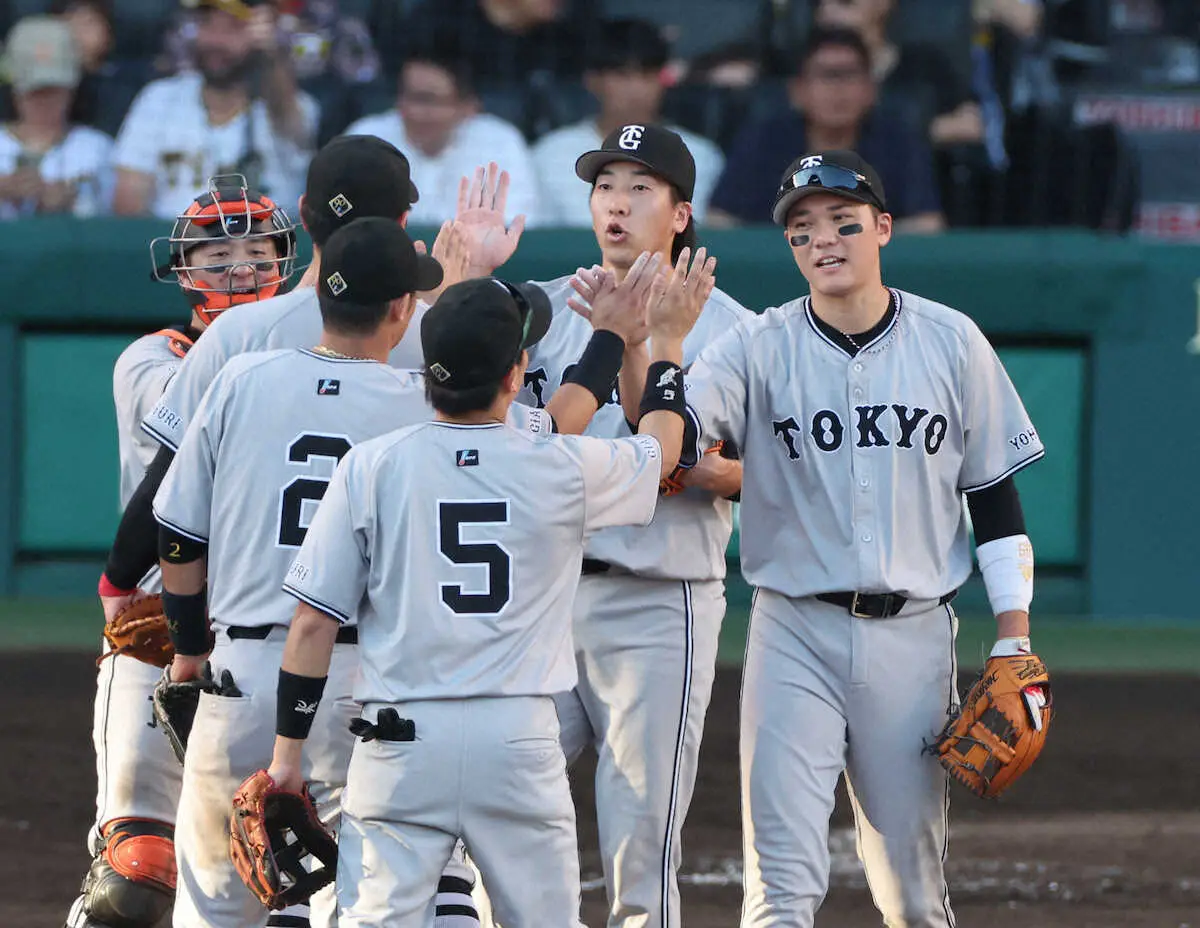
x: 861, y: 497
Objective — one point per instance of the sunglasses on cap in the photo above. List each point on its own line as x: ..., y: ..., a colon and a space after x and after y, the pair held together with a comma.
x: 833, y: 177
x: 524, y: 311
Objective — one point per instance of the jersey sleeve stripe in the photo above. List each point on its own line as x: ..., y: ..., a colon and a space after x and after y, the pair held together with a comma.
x: 1036, y: 456
x: 329, y: 610
x: 160, y: 437
x: 690, y: 456
x: 175, y: 527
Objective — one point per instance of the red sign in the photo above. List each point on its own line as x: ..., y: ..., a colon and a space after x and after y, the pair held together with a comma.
x: 1178, y: 222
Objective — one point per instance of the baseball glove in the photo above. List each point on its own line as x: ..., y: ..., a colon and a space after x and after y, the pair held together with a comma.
x: 1001, y: 727
x: 140, y: 630
x: 175, y: 704
x: 271, y: 832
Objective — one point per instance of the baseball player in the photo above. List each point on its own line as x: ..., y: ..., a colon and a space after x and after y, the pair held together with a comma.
x: 651, y: 599
x: 235, y: 506
x: 455, y: 546
x: 230, y: 246
x: 350, y: 177
x: 864, y: 414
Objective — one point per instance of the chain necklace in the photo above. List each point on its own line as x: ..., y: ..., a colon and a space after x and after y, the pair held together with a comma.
x: 330, y: 353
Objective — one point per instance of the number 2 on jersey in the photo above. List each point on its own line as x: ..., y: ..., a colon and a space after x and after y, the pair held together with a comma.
x: 451, y: 518
x: 294, y: 495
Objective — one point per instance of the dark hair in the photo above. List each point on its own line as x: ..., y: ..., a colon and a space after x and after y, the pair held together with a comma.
x: 821, y: 38
x: 352, y: 318
x: 319, y: 225
x: 622, y: 43
x: 460, y: 402
x: 444, y: 52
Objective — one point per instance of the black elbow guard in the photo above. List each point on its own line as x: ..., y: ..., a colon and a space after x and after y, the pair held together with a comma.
x: 175, y: 548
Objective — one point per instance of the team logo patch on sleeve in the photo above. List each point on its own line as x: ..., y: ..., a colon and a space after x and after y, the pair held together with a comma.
x: 468, y: 457
x: 328, y: 387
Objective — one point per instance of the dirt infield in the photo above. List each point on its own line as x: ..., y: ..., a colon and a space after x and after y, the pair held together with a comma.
x: 1104, y: 833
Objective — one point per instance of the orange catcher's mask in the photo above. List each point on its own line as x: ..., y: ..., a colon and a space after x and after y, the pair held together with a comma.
x: 231, y: 212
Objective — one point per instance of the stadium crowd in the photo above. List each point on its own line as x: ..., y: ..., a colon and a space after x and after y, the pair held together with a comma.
x: 126, y: 107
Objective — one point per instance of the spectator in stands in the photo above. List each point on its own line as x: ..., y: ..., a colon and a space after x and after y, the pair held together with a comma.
x: 323, y: 41
x: 625, y: 74
x: 832, y: 98
x: 917, y: 72
x: 242, y: 113
x: 438, y: 125
x: 91, y: 25
x: 503, y: 41
x: 47, y: 164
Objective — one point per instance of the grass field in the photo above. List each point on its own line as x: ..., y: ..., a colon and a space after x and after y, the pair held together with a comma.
x: 1065, y: 644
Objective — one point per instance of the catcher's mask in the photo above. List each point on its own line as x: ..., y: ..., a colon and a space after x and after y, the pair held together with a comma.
x: 228, y: 211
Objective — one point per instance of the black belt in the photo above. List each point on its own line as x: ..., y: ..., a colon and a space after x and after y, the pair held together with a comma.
x: 873, y: 605
x: 593, y: 566
x: 347, y: 634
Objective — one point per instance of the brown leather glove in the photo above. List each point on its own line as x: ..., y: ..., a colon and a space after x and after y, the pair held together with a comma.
x: 140, y: 630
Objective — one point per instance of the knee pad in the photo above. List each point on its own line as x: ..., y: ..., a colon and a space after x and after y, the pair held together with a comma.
x: 131, y: 882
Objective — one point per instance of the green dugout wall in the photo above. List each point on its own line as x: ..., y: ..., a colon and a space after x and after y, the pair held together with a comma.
x: 1096, y: 332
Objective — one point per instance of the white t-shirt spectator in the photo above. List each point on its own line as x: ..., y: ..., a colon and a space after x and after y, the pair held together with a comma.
x: 478, y: 140
x: 84, y: 156
x: 167, y: 134
x: 565, y: 196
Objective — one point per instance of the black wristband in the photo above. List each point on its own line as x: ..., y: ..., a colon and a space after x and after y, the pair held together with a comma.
x: 187, y: 621
x: 297, y: 704
x: 599, y: 365
x: 176, y: 548
x: 664, y: 389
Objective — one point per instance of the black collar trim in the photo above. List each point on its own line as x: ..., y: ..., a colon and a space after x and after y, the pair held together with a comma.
x: 864, y: 340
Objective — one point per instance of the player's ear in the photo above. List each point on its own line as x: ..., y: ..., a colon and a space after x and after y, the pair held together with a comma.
x: 404, y: 219
x: 683, y: 213
x: 883, y: 227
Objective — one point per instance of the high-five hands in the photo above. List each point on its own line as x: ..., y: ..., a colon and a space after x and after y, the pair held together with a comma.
x: 677, y: 296
x: 619, y: 308
x: 481, y: 204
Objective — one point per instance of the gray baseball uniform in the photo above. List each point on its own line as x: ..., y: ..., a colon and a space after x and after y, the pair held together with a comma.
x: 647, y: 618
x: 855, y: 465
x: 247, y: 479
x: 292, y: 320
x: 458, y: 549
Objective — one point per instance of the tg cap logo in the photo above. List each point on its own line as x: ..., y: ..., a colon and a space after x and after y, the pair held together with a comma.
x: 631, y: 137
x: 812, y: 161
x: 336, y: 283
x: 340, y: 205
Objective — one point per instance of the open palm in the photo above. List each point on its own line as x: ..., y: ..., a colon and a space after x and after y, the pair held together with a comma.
x: 481, y: 203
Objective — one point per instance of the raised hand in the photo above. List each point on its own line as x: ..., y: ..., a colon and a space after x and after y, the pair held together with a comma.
x: 452, y: 250
x: 676, y: 298
x: 481, y: 204
x: 619, y: 308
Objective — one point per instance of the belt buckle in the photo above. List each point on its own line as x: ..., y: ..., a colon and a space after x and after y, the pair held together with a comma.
x: 854, y: 608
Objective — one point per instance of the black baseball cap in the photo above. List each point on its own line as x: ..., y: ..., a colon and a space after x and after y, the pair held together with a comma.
x: 844, y: 173
x: 655, y: 147
x: 359, y: 175
x: 371, y: 261
x: 477, y: 329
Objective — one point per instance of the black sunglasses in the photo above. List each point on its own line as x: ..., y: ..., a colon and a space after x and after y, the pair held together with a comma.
x: 832, y: 177
x: 524, y: 311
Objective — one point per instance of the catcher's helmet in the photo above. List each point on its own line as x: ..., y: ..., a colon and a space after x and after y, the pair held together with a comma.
x: 229, y: 210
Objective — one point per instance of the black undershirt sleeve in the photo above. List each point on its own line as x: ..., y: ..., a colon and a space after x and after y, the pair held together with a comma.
x: 135, y: 549
x: 996, y: 512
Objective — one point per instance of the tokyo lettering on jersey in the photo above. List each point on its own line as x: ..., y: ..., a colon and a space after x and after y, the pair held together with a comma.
x: 690, y: 533
x: 855, y: 466
x: 460, y: 546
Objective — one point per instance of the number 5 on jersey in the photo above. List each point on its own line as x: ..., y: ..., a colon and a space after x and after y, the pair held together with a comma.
x: 452, y: 516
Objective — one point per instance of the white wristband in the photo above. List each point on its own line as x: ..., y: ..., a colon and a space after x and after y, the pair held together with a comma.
x: 1007, y: 568
x: 1011, y: 647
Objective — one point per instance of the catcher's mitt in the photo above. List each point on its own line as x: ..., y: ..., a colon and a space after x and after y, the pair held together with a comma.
x: 175, y: 703
x: 1001, y: 727
x: 140, y: 630
x: 271, y: 832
